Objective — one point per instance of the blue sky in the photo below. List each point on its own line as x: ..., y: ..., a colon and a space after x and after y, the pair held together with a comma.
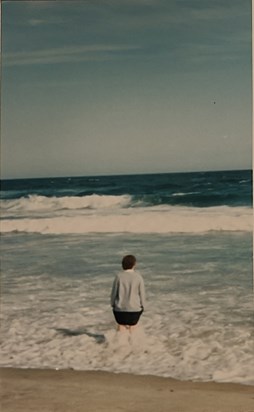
x: 130, y: 86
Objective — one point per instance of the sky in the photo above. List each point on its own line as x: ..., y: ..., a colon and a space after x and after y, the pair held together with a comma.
x: 122, y: 87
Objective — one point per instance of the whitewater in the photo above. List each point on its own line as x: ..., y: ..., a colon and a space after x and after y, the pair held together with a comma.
x: 62, y: 242
x: 116, y: 214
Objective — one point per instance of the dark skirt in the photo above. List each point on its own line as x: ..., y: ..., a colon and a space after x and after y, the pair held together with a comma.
x: 127, y: 318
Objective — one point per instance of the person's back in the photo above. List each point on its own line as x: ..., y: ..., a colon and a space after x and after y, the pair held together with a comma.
x: 128, y: 295
x: 130, y: 292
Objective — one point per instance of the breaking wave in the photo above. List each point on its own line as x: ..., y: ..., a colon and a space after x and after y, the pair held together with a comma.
x: 116, y: 214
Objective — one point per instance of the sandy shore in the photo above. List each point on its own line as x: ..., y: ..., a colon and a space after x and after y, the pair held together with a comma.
x: 75, y: 391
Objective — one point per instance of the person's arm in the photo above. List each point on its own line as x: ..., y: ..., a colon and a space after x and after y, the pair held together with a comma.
x: 114, y: 292
x: 142, y: 294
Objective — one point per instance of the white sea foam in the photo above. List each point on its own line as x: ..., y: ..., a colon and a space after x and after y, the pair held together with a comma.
x: 198, y: 322
x: 35, y: 203
x: 156, y: 219
x: 182, y: 337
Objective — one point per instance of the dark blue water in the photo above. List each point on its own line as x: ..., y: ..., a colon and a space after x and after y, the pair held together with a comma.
x: 200, y: 189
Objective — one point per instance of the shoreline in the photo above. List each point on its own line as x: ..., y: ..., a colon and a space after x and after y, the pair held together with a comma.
x: 63, y: 390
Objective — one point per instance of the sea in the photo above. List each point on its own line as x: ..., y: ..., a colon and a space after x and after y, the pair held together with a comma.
x: 62, y: 242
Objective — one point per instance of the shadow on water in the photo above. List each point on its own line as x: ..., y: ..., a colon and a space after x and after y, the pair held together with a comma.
x: 99, y: 338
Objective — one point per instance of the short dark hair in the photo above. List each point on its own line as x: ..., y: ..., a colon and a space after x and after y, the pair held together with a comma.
x: 128, y: 262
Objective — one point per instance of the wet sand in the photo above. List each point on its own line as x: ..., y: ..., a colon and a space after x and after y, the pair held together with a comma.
x: 32, y: 390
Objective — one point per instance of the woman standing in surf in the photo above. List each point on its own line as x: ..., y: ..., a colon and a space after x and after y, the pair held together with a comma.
x: 128, y: 295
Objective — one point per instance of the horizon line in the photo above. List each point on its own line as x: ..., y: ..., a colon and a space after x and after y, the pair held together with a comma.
x: 126, y: 174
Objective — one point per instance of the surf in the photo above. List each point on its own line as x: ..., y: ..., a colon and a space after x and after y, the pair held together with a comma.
x: 157, y: 219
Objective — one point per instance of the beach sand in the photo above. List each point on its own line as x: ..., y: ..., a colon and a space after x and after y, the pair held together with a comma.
x: 74, y: 391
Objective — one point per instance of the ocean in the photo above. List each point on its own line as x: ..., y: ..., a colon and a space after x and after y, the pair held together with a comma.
x: 62, y: 243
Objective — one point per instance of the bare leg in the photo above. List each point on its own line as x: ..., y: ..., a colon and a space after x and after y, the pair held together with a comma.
x: 122, y: 328
x: 132, y: 328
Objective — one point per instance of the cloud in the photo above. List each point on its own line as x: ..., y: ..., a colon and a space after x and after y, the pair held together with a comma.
x: 174, y: 30
x: 138, y: 14
x: 36, y: 22
x: 156, y: 13
x: 46, y: 21
x: 68, y: 54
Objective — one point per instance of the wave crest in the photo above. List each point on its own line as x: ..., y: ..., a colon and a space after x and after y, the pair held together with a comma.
x: 35, y: 203
x: 157, y: 219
